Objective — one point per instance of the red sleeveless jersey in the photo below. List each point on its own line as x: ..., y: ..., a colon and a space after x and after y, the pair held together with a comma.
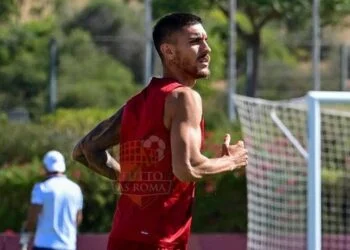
x: 154, y: 206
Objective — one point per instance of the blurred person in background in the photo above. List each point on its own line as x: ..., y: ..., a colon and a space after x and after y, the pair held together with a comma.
x: 160, y: 132
x: 55, y: 209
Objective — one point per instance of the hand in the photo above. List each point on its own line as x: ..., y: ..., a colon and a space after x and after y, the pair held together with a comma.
x: 24, y: 240
x: 237, y: 152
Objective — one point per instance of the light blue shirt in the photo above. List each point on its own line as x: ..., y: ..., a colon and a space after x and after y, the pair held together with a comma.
x: 61, y: 199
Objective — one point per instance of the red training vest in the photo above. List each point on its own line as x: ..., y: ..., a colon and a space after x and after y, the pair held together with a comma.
x: 154, y: 206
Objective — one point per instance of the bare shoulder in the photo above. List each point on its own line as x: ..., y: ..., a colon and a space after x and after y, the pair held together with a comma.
x: 183, y: 96
x: 182, y: 102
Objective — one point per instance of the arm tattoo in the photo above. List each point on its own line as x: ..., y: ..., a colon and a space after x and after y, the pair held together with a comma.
x: 92, y: 152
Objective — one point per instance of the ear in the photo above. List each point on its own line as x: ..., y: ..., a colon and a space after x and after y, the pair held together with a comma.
x: 168, y: 51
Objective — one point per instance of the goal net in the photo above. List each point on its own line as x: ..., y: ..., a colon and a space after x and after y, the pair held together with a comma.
x: 276, y: 134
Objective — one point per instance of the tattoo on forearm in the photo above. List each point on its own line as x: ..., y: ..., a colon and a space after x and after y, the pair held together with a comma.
x: 91, y: 150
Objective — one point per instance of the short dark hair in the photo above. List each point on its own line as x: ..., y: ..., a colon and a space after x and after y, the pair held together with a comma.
x: 169, y: 24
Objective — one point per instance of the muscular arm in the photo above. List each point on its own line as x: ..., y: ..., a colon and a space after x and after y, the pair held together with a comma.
x: 92, y: 152
x: 185, y: 109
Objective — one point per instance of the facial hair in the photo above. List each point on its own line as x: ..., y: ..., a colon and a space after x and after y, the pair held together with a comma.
x: 190, y: 67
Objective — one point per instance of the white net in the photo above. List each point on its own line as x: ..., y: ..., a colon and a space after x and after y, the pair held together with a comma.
x: 275, y: 133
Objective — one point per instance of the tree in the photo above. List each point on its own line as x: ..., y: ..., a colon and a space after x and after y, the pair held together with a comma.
x: 90, y: 77
x: 161, y: 7
x: 82, y: 81
x: 23, y: 65
x: 7, y: 7
x: 294, y: 14
x: 116, y: 28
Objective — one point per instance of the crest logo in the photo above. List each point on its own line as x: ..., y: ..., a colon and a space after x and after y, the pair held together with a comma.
x: 157, y: 144
x: 141, y: 179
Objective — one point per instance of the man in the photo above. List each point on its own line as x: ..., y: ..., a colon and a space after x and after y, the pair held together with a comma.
x: 160, y: 133
x: 55, y: 209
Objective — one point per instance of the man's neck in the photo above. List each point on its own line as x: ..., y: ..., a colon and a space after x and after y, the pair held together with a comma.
x: 53, y: 174
x: 179, y: 76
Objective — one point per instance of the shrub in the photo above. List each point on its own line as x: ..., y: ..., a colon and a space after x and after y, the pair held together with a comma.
x: 17, y: 182
x: 220, y: 202
x: 15, y: 185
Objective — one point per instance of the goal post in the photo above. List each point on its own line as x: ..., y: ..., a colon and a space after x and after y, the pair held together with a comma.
x: 314, y: 218
x: 298, y: 176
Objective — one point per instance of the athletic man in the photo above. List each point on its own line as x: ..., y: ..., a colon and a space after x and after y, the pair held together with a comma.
x: 160, y: 133
x: 55, y: 209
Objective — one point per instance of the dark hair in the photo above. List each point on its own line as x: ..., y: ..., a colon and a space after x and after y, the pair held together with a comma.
x: 169, y: 24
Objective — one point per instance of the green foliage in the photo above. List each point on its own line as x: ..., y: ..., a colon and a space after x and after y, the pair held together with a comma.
x: 117, y: 29
x: 332, y: 176
x: 333, y: 11
x: 17, y: 182
x: 220, y: 205
x: 60, y: 131
x: 161, y: 7
x: 7, y: 7
x: 82, y: 81
x: 255, y: 15
x: 282, y: 81
x: 90, y: 77
x: 214, y: 20
x: 76, y: 121
x: 22, y: 142
x: 22, y: 152
x: 335, y: 191
x: 218, y: 59
x: 244, y: 23
x: 20, y: 163
x: 215, y: 113
x: 100, y: 198
x: 93, y: 73
x: 276, y: 49
x: 23, y: 65
x: 91, y: 18
x: 3, y: 118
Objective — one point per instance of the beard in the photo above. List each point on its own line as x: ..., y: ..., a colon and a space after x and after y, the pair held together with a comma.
x: 197, y: 72
x: 193, y: 68
x: 203, y: 73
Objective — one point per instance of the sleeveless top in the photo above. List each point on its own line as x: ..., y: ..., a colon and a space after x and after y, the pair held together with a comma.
x: 154, y: 207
